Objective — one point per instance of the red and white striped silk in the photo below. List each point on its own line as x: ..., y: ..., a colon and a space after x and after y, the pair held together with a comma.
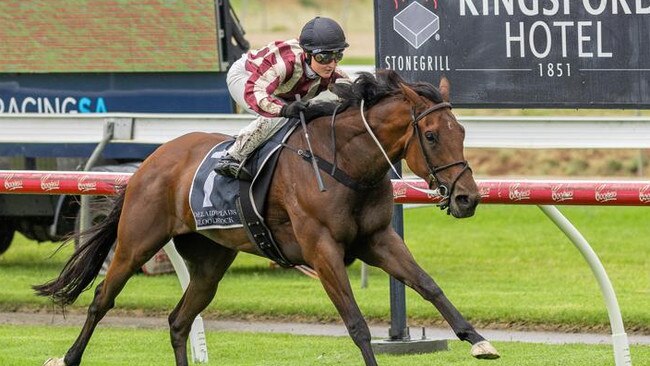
x: 278, y: 73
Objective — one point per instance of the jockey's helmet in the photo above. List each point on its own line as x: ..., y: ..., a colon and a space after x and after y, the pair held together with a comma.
x: 321, y: 35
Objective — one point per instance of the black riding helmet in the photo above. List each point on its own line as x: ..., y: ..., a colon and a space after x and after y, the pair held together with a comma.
x: 321, y: 35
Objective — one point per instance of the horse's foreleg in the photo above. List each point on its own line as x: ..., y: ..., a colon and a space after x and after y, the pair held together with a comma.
x: 327, y: 261
x: 207, y: 263
x: 388, y: 252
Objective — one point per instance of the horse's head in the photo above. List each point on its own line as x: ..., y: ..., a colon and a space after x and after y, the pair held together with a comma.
x: 434, y: 150
x: 415, y: 122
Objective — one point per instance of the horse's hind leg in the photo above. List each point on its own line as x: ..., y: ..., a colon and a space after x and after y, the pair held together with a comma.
x: 134, y: 248
x: 389, y: 252
x: 207, y: 262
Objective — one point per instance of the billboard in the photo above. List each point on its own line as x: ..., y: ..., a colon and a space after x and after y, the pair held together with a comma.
x: 521, y: 53
x: 70, y: 93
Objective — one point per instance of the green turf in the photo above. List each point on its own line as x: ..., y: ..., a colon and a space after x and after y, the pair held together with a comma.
x: 31, y: 345
x: 506, y: 265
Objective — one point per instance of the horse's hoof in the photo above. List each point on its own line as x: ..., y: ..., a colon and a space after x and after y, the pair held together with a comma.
x: 485, y: 351
x: 54, y: 362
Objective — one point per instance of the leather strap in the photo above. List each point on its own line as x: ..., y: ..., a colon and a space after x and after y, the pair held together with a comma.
x: 331, y: 170
x: 256, y: 229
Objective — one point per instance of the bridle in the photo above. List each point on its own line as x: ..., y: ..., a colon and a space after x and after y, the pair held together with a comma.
x: 444, y: 190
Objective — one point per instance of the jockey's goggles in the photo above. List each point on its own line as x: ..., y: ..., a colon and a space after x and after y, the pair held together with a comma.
x: 327, y: 57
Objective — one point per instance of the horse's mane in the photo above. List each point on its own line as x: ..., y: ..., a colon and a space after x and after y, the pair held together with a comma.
x: 371, y: 89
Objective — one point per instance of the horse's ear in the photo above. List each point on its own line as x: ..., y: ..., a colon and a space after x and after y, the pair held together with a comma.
x: 410, y: 94
x: 444, y: 88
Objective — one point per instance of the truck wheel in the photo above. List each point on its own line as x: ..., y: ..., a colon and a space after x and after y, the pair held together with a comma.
x: 6, y: 236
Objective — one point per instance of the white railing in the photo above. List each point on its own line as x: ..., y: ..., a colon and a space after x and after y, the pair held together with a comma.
x: 482, y: 132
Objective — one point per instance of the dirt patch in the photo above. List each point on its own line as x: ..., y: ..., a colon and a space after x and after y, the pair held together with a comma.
x: 158, y: 319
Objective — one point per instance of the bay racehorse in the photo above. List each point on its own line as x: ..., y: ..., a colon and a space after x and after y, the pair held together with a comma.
x: 377, y: 118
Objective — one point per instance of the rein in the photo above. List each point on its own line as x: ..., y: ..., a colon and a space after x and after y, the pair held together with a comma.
x: 441, y: 189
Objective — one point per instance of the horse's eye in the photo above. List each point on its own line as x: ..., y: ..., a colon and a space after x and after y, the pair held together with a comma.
x: 431, y: 137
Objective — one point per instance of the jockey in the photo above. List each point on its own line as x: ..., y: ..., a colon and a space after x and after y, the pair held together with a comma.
x: 265, y: 81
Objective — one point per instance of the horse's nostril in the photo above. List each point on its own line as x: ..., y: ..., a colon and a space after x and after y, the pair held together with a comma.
x: 462, y: 200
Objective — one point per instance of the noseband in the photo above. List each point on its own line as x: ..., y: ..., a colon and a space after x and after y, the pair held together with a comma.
x: 432, y: 178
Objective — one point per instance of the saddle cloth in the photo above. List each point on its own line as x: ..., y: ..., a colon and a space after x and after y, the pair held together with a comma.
x: 213, y: 197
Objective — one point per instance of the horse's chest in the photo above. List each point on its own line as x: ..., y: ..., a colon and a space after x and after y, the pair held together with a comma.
x: 363, y: 221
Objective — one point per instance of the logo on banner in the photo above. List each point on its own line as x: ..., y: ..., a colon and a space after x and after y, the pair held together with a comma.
x: 559, y: 194
x: 399, y: 192
x: 484, y: 192
x: 48, y: 184
x: 416, y: 24
x: 603, y: 194
x: 517, y: 194
x: 122, y: 180
x: 12, y: 184
x: 84, y: 186
x: 644, y: 194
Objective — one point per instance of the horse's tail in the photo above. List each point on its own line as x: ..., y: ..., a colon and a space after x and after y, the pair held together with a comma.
x: 84, y: 265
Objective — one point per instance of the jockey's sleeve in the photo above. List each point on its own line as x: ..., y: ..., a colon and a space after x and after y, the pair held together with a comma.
x: 259, y: 92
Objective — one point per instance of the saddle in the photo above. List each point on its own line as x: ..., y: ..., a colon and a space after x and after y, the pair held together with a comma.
x: 223, y: 202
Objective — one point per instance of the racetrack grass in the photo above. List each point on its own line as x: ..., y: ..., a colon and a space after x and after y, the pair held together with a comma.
x: 31, y: 345
x: 506, y: 266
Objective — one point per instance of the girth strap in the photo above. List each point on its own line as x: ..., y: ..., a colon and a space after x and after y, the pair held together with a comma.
x: 331, y: 170
x: 255, y: 227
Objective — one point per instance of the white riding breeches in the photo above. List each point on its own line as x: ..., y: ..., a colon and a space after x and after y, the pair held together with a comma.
x: 261, y: 128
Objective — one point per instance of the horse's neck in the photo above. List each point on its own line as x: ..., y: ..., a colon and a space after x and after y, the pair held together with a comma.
x: 357, y: 153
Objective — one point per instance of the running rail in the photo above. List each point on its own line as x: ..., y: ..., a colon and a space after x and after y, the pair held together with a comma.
x: 522, y: 191
x: 544, y: 193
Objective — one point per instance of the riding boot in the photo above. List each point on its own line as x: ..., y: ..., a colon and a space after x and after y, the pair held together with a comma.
x: 248, y: 139
x: 228, y: 166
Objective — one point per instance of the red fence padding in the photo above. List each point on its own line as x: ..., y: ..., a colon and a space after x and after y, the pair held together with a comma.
x: 59, y: 182
x: 532, y: 192
x: 541, y: 192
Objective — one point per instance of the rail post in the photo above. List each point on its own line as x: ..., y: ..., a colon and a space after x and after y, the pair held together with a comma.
x: 619, y: 337
x: 198, y: 345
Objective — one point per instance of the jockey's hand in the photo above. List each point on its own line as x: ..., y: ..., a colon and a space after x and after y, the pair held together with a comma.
x: 293, y: 109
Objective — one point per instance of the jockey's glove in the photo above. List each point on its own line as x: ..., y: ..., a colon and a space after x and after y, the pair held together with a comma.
x: 293, y: 109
